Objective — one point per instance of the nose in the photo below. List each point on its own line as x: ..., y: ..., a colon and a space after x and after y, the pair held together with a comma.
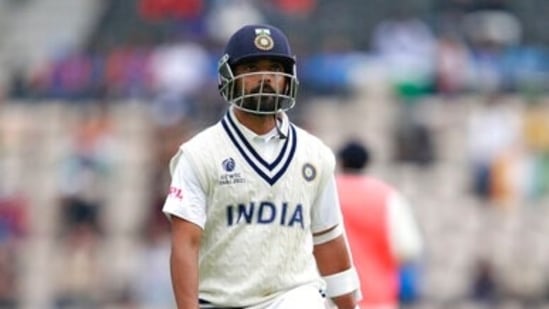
x: 267, y: 78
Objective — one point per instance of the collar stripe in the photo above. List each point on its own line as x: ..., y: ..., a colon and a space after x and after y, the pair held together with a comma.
x: 238, y: 140
x: 249, y: 147
x: 239, y: 147
x: 289, y: 159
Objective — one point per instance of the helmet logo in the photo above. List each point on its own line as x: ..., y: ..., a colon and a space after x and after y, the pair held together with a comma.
x: 263, y: 39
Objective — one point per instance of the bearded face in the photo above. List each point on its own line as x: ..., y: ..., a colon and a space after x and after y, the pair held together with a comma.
x: 261, y: 85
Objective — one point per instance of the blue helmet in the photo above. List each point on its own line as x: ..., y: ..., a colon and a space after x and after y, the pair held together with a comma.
x: 249, y: 43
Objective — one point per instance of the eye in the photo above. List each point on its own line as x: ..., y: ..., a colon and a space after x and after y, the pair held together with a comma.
x: 276, y: 67
x: 246, y: 68
x: 250, y: 67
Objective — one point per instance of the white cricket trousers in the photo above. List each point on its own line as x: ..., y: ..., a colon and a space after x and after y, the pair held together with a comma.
x: 299, y: 298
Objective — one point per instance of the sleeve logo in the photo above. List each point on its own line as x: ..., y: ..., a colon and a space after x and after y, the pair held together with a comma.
x: 175, y: 192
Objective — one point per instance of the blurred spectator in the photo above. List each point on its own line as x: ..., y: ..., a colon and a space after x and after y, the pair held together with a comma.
x: 493, y: 139
x: 484, y: 286
x: 227, y: 16
x: 13, y: 216
x: 16, y: 87
x: 490, y: 28
x: 155, y: 10
x: 452, y: 64
x: 536, y: 138
x: 525, y: 70
x: 71, y: 75
x: 492, y: 22
x: 413, y: 138
x: 295, y: 7
x: 381, y: 230
x: 179, y: 70
x: 413, y: 134
x: 86, y: 170
x: 68, y: 76
x: 406, y: 45
x: 13, y: 228
x: 328, y: 72
x: 127, y: 72
x: 487, y: 74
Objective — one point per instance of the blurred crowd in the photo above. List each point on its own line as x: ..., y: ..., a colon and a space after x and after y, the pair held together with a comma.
x: 171, y: 51
x: 165, y: 53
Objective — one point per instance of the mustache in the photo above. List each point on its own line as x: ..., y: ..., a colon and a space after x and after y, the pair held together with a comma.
x: 264, y: 89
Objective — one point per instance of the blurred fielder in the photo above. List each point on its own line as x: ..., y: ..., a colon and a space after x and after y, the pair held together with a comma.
x: 253, y: 202
x: 382, y: 231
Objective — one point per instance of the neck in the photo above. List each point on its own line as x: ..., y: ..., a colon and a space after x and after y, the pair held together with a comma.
x: 259, y: 124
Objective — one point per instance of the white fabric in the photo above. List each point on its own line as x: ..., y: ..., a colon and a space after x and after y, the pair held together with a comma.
x: 492, y: 129
x: 192, y: 205
x: 325, y: 215
x: 258, y: 203
x: 342, y: 283
x: 326, y: 237
x: 302, y: 297
x: 326, y: 212
x: 404, y: 234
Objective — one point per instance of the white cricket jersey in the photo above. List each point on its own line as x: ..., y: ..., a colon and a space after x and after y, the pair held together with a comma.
x: 257, y: 213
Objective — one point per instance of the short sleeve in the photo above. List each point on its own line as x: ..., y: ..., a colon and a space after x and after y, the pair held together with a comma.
x: 326, y: 212
x: 404, y: 233
x: 186, y: 197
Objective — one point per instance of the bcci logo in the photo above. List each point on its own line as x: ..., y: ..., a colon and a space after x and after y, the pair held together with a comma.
x: 309, y: 172
x: 263, y: 39
x: 228, y: 164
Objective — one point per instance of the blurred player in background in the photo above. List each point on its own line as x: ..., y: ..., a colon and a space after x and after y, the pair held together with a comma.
x: 253, y: 201
x: 380, y: 227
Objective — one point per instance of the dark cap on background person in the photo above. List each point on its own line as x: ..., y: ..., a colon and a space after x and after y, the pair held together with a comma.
x: 353, y: 156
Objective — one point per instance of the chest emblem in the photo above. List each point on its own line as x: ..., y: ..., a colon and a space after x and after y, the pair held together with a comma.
x: 229, y: 176
x: 308, y: 171
x: 270, y: 171
x: 228, y: 164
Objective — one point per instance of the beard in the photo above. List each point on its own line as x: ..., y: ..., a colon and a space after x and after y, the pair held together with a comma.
x: 264, y: 100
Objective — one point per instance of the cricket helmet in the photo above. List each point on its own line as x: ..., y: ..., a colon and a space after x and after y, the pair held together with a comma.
x: 254, y: 42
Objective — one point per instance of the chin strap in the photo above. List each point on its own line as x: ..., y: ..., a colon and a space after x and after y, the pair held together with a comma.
x: 281, y: 134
